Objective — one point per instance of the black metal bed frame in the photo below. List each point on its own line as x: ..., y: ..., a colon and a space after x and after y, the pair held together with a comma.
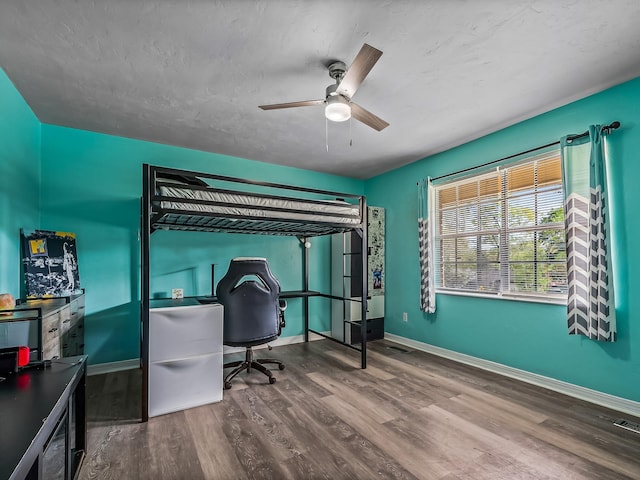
x: 154, y: 217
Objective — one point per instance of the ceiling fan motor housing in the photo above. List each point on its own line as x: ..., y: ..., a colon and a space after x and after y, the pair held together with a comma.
x: 336, y: 70
x: 331, y: 90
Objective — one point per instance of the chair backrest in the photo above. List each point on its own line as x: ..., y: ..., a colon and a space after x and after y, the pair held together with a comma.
x: 249, y: 293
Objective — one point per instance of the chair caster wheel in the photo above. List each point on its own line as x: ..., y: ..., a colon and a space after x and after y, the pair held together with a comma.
x: 227, y: 385
x: 281, y: 367
x: 272, y: 380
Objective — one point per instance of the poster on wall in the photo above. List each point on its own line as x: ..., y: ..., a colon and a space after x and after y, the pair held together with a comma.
x: 50, y: 264
x: 375, y: 225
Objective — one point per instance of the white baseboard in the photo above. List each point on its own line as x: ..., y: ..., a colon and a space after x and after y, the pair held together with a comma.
x: 620, y: 404
x: 277, y: 343
x: 109, y: 367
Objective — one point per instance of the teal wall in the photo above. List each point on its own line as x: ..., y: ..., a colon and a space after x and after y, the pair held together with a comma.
x: 72, y: 180
x: 527, y: 336
x: 19, y: 180
x: 92, y: 187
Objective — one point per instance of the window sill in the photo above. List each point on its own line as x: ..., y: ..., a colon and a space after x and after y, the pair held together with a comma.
x: 548, y: 299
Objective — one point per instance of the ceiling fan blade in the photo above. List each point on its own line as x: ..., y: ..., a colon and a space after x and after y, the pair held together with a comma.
x: 367, y: 117
x: 361, y: 66
x: 306, y: 103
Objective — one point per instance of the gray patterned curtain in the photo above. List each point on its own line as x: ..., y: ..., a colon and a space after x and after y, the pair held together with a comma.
x: 590, y: 306
x: 426, y: 246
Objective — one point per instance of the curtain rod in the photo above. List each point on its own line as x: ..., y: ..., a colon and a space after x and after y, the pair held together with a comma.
x: 606, y: 129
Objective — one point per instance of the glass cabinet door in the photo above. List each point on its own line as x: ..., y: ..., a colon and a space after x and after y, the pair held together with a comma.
x: 54, y: 457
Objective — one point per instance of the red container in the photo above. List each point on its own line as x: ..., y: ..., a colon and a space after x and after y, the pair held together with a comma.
x: 23, y: 356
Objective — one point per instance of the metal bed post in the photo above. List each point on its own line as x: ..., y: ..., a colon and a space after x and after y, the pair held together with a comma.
x: 306, y: 288
x: 145, y: 233
x: 365, y: 284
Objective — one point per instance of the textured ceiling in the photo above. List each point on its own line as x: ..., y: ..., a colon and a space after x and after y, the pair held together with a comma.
x: 192, y: 73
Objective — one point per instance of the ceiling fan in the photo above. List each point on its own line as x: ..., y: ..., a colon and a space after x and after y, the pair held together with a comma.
x: 339, y: 106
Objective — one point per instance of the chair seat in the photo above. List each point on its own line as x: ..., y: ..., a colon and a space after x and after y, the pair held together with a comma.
x: 251, y: 343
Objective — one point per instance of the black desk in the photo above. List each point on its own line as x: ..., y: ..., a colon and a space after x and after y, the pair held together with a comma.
x: 34, y: 405
x: 283, y: 294
x: 186, y: 301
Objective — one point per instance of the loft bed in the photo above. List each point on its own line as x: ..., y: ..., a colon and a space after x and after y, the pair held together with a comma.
x: 174, y: 199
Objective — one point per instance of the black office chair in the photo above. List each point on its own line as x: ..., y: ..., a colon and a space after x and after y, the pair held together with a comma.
x: 253, y: 313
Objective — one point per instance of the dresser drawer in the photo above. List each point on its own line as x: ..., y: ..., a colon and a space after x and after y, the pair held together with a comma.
x: 189, y: 382
x: 51, y: 333
x: 51, y: 350
x: 375, y: 330
x: 65, y: 320
x: 178, y: 332
x: 76, y: 311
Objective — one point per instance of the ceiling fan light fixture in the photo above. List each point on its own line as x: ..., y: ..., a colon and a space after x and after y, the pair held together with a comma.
x: 337, y: 109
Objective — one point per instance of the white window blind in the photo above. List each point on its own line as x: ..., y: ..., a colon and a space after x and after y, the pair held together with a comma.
x: 502, y: 232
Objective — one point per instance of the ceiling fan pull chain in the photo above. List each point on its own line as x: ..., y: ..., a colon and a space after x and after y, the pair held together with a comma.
x: 326, y: 133
x: 350, y: 134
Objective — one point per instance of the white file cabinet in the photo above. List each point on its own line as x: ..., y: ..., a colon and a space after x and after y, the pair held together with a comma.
x: 185, y: 357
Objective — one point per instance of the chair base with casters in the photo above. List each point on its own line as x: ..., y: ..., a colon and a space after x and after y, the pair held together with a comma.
x: 256, y: 363
x: 248, y: 364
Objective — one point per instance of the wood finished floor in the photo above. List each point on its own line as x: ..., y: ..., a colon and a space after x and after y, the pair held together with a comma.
x: 408, y: 415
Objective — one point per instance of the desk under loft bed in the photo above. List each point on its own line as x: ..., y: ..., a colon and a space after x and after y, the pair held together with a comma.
x: 175, y: 199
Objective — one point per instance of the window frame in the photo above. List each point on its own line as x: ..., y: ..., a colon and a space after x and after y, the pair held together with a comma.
x: 503, y: 231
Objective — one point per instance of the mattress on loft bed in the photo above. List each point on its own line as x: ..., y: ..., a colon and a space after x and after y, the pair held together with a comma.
x: 258, y: 206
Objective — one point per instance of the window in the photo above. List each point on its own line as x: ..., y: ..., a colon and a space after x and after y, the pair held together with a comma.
x: 502, y: 232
